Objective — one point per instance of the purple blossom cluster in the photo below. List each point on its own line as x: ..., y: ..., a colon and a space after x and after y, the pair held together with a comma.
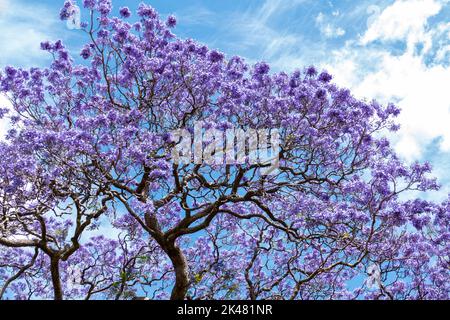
x: 90, y: 153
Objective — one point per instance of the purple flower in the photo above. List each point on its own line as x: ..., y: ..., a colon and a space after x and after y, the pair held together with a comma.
x: 325, y: 77
x: 64, y: 55
x: 125, y: 12
x: 89, y: 4
x: 137, y: 26
x: 215, y: 56
x: 104, y: 21
x: 171, y: 21
x: 103, y: 34
x: 146, y: 11
x: 10, y: 71
x: 67, y: 10
x: 3, y: 112
x: 121, y: 35
x: 294, y: 81
x: 132, y: 51
x: 58, y: 45
x: 393, y: 110
x: 167, y: 137
x: 321, y: 94
x: 85, y: 52
x: 46, y: 46
x: 311, y: 71
x: 104, y: 7
x: 262, y: 68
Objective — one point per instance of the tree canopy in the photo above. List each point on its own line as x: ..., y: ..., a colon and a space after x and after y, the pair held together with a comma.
x: 92, y: 205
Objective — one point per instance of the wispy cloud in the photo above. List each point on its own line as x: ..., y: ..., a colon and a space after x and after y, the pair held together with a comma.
x: 257, y: 31
x: 23, y: 26
x: 408, y: 78
x: 3, y: 6
x: 328, y: 29
x: 271, y: 8
x: 403, y: 20
x: 198, y: 15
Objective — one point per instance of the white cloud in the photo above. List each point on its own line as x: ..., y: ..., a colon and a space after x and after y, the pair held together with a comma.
x: 386, y: 73
x: 419, y: 88
x: 421, y: 91
x: 256, y: 29
x: 326, y: 28
x: 405, y: 19
x: 270, y: 8
x: 3, y: 6
x: 23, y: 27
x: 442, y: 53
x: 197, y: 15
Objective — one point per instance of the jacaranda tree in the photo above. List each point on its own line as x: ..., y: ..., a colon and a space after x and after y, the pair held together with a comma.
x: 93, y: 205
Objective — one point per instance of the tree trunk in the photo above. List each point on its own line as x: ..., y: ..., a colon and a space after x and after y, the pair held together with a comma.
x: 56, y: 278
x: 181, y: 270
x: 176, y: 256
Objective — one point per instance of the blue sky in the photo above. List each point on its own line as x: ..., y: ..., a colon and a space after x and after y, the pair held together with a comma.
x: 394, y: 51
